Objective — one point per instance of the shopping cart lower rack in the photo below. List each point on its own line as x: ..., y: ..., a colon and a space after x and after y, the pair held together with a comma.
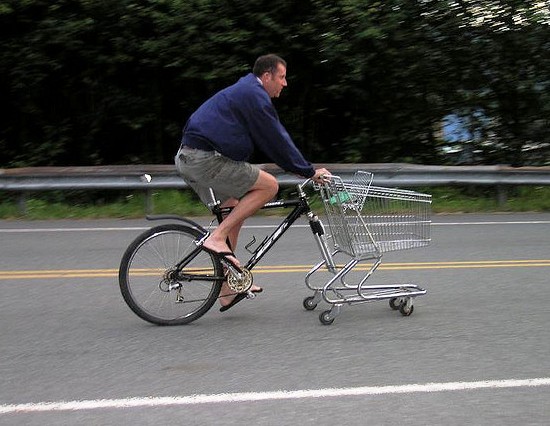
x: 365, y: 221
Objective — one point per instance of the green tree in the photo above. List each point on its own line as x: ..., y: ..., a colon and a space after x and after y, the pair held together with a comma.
x: 113, y: 81
x: 506, y: 77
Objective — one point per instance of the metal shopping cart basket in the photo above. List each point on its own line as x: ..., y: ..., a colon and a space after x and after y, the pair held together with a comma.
x: 366, y: 221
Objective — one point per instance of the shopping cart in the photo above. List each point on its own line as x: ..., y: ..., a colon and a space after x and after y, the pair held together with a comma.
x: 366, y: 221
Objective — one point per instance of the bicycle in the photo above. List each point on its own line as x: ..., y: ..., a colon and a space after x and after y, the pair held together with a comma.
x: 167, y: 278
x: 187, y: 280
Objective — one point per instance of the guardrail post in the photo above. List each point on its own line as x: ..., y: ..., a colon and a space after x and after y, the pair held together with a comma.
x: 502, y: 195
x: 22, y: 203
x: 149, y: 201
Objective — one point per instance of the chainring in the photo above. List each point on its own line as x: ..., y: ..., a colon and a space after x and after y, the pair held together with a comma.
x: 241, y: 285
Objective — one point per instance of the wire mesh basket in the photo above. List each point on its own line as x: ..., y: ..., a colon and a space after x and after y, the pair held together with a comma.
x: 367, y: 220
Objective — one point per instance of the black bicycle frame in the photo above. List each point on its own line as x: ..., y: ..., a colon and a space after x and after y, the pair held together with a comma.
x: 301, y: 207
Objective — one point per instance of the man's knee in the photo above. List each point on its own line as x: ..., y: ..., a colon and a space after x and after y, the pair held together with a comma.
x: 268, y: 183
x: 273, y: 186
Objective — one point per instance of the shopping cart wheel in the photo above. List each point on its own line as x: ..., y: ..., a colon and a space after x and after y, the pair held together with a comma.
x: 326, y: 318
x: 406, y: 309
x: 309, y: 303
x: 395, y: 303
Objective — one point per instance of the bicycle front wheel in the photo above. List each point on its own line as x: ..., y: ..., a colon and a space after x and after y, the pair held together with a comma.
x: 157, y: 288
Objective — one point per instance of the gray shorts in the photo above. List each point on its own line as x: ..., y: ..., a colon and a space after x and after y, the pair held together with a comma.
x: 209, y: 169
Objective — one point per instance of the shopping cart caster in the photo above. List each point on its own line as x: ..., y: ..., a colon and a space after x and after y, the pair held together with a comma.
x: 310, y: 303
x: 406, y: 307
x: 395, y: 303
x: 326, y: 318
x: 406, y: 311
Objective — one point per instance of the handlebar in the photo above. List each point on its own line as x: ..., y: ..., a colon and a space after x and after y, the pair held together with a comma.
x: 325, y: 179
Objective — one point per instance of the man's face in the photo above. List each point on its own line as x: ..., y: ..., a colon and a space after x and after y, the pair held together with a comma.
x: 274, y: 81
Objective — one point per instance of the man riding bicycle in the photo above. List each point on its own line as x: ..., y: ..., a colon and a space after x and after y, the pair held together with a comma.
x: 218, y: 140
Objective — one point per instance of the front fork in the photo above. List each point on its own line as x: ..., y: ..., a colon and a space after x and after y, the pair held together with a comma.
x: 320, y: 238
x: 319, y: 235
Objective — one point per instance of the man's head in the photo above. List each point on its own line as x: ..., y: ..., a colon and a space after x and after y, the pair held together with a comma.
x: 271, y: 69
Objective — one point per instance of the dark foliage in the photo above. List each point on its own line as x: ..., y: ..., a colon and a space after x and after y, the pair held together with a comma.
x: 87, y: 82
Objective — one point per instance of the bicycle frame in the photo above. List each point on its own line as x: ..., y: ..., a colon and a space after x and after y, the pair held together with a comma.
x: 300, y: 207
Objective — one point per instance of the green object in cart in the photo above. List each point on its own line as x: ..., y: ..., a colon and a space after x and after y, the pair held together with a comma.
x: 339, y: 198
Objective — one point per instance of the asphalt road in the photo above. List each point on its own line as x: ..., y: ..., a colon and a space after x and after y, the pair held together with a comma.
x: 475, y: 350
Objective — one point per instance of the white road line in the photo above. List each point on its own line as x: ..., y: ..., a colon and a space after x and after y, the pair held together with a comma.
x: 143, y: 228
x: 270, y: 396
x: 29, y: 230
x: 518, y: 222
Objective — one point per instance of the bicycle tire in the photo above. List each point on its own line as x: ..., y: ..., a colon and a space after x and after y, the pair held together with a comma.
x: 144, y: 269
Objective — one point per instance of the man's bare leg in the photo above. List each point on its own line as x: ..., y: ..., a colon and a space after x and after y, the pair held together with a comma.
x: 226, y: 294
x: 264, y: 190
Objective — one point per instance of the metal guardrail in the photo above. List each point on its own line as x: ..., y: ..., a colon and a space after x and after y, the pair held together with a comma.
x: 33, y: 179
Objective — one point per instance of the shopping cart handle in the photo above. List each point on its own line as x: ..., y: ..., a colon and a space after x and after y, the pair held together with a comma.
x: 326, y: 178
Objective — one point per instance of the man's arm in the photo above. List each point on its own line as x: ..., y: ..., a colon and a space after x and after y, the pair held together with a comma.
x: 270, y: 136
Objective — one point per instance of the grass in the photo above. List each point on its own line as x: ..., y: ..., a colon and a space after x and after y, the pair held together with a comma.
x: 94, y: 205
x: 485, y: 199
x: 88, y: 206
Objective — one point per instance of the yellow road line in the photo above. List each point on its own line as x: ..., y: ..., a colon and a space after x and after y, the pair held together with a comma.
x: 110, y: 273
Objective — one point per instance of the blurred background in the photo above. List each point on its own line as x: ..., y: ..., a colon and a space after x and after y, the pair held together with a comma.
x: 86, y: 82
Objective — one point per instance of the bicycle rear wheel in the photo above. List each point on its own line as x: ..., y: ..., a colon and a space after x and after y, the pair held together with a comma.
x: 155, y: 289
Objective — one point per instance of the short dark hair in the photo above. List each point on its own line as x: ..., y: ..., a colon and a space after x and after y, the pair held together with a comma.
x: 267, y: 63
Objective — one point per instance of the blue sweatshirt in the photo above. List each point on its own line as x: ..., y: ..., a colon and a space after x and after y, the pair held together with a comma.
x: 241, y: 118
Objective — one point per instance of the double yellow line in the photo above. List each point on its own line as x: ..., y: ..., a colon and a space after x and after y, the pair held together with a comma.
x: 112, y: 273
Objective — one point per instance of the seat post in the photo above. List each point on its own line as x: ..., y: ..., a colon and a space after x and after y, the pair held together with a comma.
x: 214, y: 206
x: 213, y: 202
